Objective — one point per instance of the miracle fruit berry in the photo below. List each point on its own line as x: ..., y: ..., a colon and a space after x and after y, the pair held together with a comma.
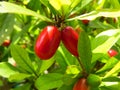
x: 85, y: 21
x: 112, y: 53
x: 47, y: 42
x: 70, y: 40
x: 6, y: 43
x: 81, y: 84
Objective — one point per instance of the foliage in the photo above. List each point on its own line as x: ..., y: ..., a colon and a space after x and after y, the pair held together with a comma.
x: 21, y: 21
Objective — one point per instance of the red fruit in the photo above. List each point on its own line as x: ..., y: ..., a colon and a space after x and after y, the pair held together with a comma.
x: 85, y: 21
x: 81, y: 85
x: 47, y: 42
x: 70, y: 40
x: 112, y: 53
x: 6, y: 43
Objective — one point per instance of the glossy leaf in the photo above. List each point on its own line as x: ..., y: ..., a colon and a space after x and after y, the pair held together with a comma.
x: 114, y: 70
x: 98, y: 13
x: 84, y: 50
x: 52, y: 80
x: 6, y: 7
x: 18, y: 77
x: 46, y: 64
x: 26, y: 86
x: 6, y: 70
x: 110, y: 64
x: 21, y: 57
x: 47, y: 4
x: 105, y: 40
x: 81, y: 4
x: 6, y: 29
x: 111, y: 86
x: 65, y: 87
x: 111, y: 79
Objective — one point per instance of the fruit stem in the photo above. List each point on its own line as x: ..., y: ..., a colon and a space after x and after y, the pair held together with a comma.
x: 82, y: 66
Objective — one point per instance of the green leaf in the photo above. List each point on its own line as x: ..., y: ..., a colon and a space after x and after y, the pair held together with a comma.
x: 22, y: 59
x: 62, y: 6
x: 105, y: 40
x: 114, y: 70
x: 111, y: 79
x: 98, y: 13
x: 45, y: 64
x: 18, y: 77
x: 100, y: 25
x: 115, y: 3
x: 6, y: 27
x: 84, y: 50
x: 68, y: 79
x: 74, y: 3
x: 6, y: 7
x: 84, y: 3
x: 66, y: 87
x: 49, y: 81
x: 6, y: 70
x: 26, y: 86
x: 95, y: 88
x: 47, y: 4
x: 111, y: 86
x: 80, y: 4
x: 110, y: 64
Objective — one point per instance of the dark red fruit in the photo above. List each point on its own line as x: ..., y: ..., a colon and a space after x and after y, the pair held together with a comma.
x: 81, y: 85
x: 6, y: 43
x: 47, y: 42
x: 112, y: 53
x: 70, y: 40
x: 85, y: 21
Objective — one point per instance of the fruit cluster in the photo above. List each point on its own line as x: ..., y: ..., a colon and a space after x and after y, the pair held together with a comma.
x: 49, y: 39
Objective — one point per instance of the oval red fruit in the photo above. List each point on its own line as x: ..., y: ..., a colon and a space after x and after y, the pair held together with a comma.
x: 85, y: 21
x: 112, y: 53
x: 70, y: 40
x: 47, y: 42
x: 6, y: 43
x: 81, y: 85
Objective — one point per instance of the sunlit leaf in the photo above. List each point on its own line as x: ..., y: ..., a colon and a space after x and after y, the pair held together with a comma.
x: 98, y: 13
x: 114, y: 70
x: 105, y: 40
x: 110, y: 64
x: 6, y: 70
x: 6, y: 7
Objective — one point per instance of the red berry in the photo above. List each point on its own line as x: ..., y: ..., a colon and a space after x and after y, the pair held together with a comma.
x: 85, y: 21
x: 70, y: 40
x: 112, y: 53
x: 6, y: 43
x: 47, y: 42
x: 81, y: 85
